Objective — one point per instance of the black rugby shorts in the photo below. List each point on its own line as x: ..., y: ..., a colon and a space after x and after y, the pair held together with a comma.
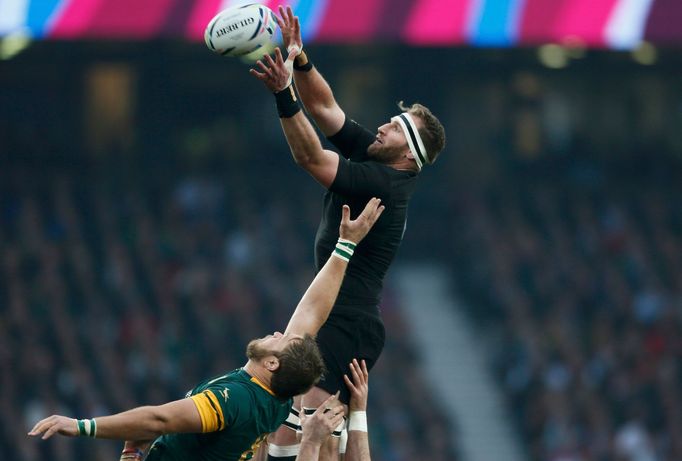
x: 349, y: 334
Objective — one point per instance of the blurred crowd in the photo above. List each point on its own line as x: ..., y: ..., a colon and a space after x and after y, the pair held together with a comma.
x: 575, y: 270
x: 117, y: 293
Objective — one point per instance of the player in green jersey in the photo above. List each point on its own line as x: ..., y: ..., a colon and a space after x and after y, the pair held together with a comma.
x: 226, y: 418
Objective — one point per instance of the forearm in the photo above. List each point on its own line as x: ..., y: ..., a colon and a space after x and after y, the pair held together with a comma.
x: 318, y: 300
x: 357, y: 448
x: 314, y: 90
x: 308, y: 451
x: 139, y: 424
x: 303, y: 141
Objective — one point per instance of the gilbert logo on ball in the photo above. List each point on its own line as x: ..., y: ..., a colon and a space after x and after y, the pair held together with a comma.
x: 240, y: 30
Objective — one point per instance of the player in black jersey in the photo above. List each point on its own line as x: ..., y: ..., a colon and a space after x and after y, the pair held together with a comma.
x: 385, y: 164
x: 226, y: 418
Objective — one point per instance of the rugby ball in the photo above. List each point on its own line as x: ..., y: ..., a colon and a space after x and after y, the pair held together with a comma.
x: 240, y: 30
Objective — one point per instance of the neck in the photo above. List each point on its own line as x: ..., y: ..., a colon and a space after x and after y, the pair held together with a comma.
x: 403, y: 164
x: 259, y: 372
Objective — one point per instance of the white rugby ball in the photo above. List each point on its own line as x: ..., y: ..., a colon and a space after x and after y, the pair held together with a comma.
x: 240, y: 30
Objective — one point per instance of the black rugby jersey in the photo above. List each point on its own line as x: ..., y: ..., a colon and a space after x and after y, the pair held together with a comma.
x: 357, y: 180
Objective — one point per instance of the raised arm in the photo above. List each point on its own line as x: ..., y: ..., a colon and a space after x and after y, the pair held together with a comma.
x: 303, y: 141
x: 313, y: 309
x: 314, y: 90
x: 142, y: 423
x: 357, y: 448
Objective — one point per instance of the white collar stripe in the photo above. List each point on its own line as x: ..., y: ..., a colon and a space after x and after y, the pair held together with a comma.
x: 413, y: 138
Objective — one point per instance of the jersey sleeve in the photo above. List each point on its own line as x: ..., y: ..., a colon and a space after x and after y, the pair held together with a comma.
x: 352, y: 140
x: 361, y: 179
x: 222, y: 406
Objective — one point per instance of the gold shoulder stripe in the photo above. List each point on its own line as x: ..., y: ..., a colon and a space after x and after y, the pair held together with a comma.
x: 258, y: 382
x: 210, y: 411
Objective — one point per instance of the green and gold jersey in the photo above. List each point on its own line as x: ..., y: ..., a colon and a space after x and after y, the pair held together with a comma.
x: 237, y: 413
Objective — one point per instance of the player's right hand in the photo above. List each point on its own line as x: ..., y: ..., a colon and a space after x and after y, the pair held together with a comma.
x: 290, y: 27
x: 359, y: 386
x: 55, y: 424
x: 355, y: 230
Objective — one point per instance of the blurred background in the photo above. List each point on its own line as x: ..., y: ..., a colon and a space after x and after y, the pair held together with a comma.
x: 534, y: 311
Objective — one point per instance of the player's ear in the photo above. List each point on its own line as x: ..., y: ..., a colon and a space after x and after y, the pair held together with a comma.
x: 271, y: 363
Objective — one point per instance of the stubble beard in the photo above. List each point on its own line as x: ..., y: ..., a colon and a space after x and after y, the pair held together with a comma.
x: 383, y: 154
x: 255, y: 352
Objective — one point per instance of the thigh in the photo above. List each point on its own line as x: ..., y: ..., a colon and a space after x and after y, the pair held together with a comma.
x: 360, y: 337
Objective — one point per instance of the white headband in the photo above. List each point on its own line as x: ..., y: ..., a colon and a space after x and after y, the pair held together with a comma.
x: 414, y: 141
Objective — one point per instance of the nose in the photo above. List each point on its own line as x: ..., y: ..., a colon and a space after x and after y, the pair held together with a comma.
x: 277, y: 334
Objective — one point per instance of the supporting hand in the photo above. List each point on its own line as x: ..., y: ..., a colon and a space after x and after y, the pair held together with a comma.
x: 359, y: 386
x: 355, y: 230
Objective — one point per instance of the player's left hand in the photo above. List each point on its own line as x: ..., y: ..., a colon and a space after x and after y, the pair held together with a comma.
x: 55, y: 424
x: 275, y: 73
x: 291, y: 29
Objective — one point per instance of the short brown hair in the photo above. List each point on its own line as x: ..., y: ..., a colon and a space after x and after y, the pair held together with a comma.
x: 300, y: 368
x: 432, y: 133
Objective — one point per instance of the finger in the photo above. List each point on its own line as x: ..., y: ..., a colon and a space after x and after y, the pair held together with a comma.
x: 337, y: 409
x: 281, y: 18
x: 263, y: 67
x: 329, y: 403
x: 50, y: 432
x: 356, y: 375
x: 290, y: 14
x: 334, y: 421
x: 258, y: 75
x: 297, y: 26
x: 34, y: 430
x: 345, y: 214
x: 40, y: 426
x: 377, y: 213
x: 278, y: 56
x: 370, y: 208
x: 269, y: 60
x: 349, y: 384
x: 365, y: 371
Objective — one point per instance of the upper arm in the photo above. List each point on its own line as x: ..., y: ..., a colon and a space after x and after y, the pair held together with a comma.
x: 324, y: 167
x: 329, y: 119
x: 180, y: 416
x: 220, y: 406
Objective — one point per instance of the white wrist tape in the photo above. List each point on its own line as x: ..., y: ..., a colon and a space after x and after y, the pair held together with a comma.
x: 283, y: 451
x: 358, y: 421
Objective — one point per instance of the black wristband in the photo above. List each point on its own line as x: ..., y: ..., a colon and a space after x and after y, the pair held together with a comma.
x: 303, y: 67
x: 287, y: 102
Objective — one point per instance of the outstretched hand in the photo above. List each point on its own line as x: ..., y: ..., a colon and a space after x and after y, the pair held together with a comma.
x: 291, y: 29
x: 55, y: 424
x: 359, y: 386
x: 275, y: 73
x: 355, y: 230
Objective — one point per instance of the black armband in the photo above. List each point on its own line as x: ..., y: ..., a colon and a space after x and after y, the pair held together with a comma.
x: 302, y: 63
x: 287, y: 102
